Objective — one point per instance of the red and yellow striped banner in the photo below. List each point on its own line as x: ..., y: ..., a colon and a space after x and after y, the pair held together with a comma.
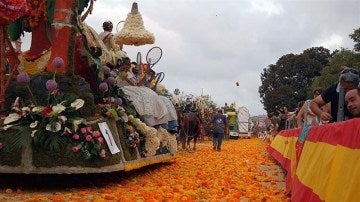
x: 329, y: 166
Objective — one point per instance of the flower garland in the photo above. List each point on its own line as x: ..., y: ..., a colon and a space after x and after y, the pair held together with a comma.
x: 152, y: 141
x: 167, y: 140
x: 133, y: 137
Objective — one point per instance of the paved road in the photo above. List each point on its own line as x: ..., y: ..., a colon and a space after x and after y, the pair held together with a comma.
x: 242, y: 171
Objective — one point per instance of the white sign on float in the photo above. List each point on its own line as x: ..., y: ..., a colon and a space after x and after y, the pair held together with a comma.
x: 106, y: 132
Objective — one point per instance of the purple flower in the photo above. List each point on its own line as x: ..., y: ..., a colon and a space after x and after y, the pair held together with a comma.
x: 1, y: 145
x: 118, y: 101
x: 23, y: 78
x: 58, y: 62
x: 110, y: 81
x: 103, y: 87
x: 106, y: 70
x: 51, y: 85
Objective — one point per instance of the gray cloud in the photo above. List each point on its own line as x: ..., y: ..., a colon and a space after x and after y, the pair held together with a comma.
x: 211, y: 44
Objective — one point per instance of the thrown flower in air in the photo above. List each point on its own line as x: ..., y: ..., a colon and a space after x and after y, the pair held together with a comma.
x: 106, y: 70
x: 58, y: 62
x: 23, y: 78
x: 103, y: 87
x: 51, y: 85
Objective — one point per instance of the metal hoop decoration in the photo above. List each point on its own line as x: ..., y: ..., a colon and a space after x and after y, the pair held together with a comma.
x: 159, y: 77
x: 153, y: 56
x: 117, y: 26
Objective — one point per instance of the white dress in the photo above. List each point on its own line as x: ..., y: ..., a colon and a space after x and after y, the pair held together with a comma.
x: 150, y: 106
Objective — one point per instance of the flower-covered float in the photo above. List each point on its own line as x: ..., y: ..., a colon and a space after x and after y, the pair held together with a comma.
x: 62, y: 108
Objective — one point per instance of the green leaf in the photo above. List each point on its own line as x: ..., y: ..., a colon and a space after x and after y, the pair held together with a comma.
x: 20, y: 139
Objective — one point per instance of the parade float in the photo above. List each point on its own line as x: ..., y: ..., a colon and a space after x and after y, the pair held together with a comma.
x: 61, y: 108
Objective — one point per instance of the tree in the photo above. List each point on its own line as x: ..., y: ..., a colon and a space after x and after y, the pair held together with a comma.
x: 331, y: 72
x: 356, y: 38
x: 289, y: 80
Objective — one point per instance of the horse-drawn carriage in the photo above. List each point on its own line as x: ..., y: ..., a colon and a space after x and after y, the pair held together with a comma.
x: 53, y: 121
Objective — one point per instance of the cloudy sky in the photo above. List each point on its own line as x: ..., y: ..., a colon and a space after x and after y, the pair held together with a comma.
x: 209, y: 45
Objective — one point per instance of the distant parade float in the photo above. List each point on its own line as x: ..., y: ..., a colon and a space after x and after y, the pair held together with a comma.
x: 63, y: 110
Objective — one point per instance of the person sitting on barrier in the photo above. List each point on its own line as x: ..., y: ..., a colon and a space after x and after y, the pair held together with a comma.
x: 352, y: 100
x: 349, y: 79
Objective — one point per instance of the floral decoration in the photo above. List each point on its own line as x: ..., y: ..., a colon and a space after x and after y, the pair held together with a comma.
x: 133, y: 137
x: 112, y: 108
x: 89, y: 142
x: 54, y: 126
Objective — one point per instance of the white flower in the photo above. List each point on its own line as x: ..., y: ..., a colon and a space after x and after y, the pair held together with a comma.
x: 7, y: 126
x: 34, y: 124
x: 62, y: 119
x: 27, y: 109
x: 76, y: 123
x: 77, y: 104
x: 58, y: 108
x: 53, y: 127
x: 11, y: 118
x: 38, y: 109
x: 33, y: 133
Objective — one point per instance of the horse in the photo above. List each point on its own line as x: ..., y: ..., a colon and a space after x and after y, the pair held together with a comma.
x: 189, y: 129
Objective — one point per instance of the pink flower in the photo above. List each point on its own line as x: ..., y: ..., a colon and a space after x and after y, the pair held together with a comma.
x: 100, y: 140
x: 75, y: 136
x: 51, y: 85
x: 58, y: 62
x: 1, y: 145
x: 96, y: 133
x: 103, y: 87
x: 23, y: 78
x: 67, y: 131
x: 83, y: 130
x: 103, y: 153
x: 88, y: 138
x: 75, y: 149
x: 89, y: 129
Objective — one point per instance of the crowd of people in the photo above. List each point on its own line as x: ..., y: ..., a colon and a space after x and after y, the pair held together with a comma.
x: 339, y: 102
